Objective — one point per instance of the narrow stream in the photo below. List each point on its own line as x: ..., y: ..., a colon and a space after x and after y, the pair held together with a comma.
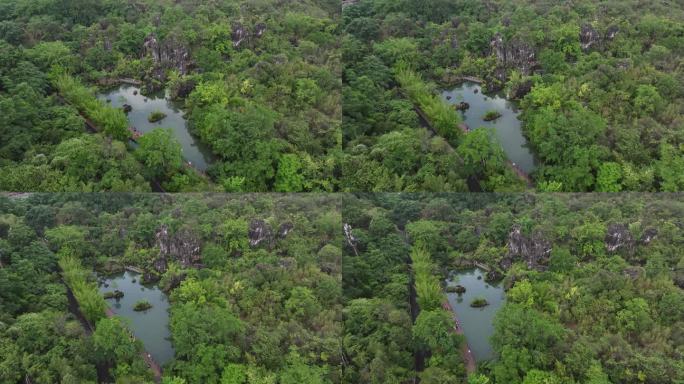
x: 477, y: 323
x: 150, y: 326
x: 507, y: 127
x: 193, y: 150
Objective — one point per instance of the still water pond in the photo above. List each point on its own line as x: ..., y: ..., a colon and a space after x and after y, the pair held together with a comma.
x: 507, y: 127
x: 150, y: 326
x: 193, y: 151
x: 477, y: 323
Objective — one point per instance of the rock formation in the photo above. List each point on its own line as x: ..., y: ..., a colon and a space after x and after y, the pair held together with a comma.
x: 589, y: 37
x: 349, y: 237
x: 260, y: 232
x: 284, y: 229
x: 618, y: 236
x: 168, y: 54
x: 648, y: 236
x: 240, y: 34
x: 514, y: 54
x: 520, y: 90
x: 534, y: 250
x: 183, y: 246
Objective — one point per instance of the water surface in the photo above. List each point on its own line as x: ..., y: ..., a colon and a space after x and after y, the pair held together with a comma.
x: 507, y: 127
x: 151, y: 326
x: 477, y: 323
x: 193, y: 151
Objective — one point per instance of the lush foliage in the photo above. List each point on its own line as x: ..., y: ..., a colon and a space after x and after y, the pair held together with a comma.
x: 603, y: 305
x: 604, y: 110
x: 259, y: 82
x: 241, y: 311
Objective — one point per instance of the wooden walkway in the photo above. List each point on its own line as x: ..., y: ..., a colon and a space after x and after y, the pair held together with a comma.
x: 482, y: 266
x: 466, y: 353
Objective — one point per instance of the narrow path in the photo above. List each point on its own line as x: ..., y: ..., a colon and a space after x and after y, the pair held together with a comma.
x: 153, y: 365
x: 418, y: 355
x: 102, y: 368
x: 466, y: 353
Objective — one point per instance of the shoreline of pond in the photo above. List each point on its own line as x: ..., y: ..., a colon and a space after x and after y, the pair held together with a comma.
x: 151, y: 326
x: 195, y: 153
x: 507, y: 127
x: 476, y: 322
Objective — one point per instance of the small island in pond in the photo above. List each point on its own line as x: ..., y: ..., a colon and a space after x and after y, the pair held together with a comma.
x: 142, y: 305
x: 479, y: 302
x: 113, y: 295
x: 156, y: 116
x: 491, y: 116
x: 456, y: 289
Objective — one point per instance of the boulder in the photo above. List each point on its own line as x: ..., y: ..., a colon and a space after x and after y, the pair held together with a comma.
x: 284, y: 229
x: 520, y: 90
x: 462, y: 106
x: 648, y: 236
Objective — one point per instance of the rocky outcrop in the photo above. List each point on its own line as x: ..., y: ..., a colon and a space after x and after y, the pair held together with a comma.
x: 349, y: 237
x: 648, y: 236
x: 515, y: 54
x: 618, y: 236
x: 260, y: 232
x: 589, y: 37
x: 167, y: 54
x: 284, y: 229
x: 520, y: 90
x: 241, y: 34
x: 611, y: 33
x: 533, y: 250
x: 183, y: 90
x: 183, y: 247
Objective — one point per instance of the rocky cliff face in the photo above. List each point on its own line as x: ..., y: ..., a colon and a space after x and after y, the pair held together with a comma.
x: 618, y: 236
x: 349, y: 237
x: 534, y: 250
x: 241, y: 34
x: 167, y: 54
x: 183, y: 246
x: 514, y: 54
x: 261, y: 233
x: 591, y: 38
